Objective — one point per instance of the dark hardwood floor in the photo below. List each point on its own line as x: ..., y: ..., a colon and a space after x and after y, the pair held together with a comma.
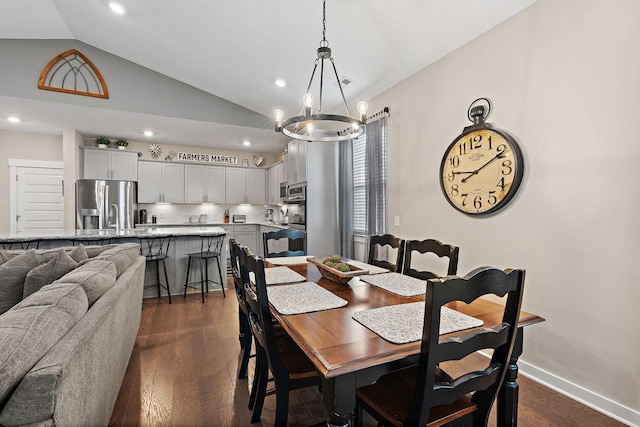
x: 183, y: 372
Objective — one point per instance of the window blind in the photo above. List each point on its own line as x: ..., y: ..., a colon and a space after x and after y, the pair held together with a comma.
x: 359, y: 189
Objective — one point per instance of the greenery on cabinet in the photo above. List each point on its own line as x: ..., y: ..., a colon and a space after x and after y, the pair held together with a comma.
x: 122, y: 143
x: 103, y: 141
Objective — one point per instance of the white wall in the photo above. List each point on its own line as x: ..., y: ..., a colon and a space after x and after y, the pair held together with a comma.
x: 564, y: 77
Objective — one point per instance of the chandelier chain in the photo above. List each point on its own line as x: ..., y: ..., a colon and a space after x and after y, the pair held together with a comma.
x: 324, y: 20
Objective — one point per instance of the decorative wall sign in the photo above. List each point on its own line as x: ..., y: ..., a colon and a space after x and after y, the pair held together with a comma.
x: 207, y: 158
x: 155, y: 150
x: 72, y: 72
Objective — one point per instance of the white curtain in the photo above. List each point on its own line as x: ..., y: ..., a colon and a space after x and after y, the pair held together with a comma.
x: 375, y: 176
x: 345, y: 198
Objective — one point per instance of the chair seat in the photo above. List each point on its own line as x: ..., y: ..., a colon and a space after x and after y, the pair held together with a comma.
x: 203, y: 255
x: 391, y: 396
x: 156, y: 257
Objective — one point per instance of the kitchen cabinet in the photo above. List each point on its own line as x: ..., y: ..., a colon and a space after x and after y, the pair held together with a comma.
x: 246, y: 235
x: 275, y: 176
x: 297, y: 160
x: 204, y: 184
x: 160, y: 182
x: 105, y: 163
x: 245, y: 185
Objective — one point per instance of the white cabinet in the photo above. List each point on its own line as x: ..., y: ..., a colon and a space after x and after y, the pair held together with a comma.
x: 104, y: 163
x: 247, y: 235
x: 297, y: 161
x: 204, y: 184
x: 275, y: 176
x: 160, y: 182
x: 245, y: 185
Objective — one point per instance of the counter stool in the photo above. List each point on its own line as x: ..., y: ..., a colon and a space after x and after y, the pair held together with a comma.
x: 21, y: 244
x: 210, y: 249
x: 155, y: 250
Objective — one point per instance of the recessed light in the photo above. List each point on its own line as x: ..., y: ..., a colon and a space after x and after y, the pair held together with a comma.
x: 117, y: 8
x: 280, y: 83
x: 14, y: 119
x: 148, y: 133
x: 246, y: 143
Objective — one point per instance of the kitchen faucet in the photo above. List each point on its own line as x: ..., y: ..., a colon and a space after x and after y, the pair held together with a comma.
x: 117, y: 217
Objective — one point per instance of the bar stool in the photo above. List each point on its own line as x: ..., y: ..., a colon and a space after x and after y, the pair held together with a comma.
x: 210, y: 249
x: 155, y: 250
x: 21, y: 244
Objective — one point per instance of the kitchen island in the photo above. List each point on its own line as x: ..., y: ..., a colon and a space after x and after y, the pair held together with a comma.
x: 183, y: 240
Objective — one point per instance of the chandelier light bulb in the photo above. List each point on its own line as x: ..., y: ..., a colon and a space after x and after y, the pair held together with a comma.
x: 278, y: 115
x: 362, y: 107
x: 307, y: 100
x: 309, y: 128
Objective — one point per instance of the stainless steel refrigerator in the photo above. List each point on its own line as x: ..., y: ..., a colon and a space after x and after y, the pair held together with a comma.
x: 100, y: 202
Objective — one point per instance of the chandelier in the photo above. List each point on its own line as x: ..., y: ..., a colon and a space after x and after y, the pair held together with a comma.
x: 321, y: 126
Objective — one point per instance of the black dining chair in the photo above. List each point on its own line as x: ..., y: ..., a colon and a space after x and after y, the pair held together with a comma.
x: 245, y: 336
x: 425, y: 395
x: 429, y: 246
x: 296, y: 243
x: 275, y: 353
x: 379, y: 247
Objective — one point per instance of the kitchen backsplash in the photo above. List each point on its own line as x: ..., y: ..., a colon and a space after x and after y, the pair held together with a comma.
x: 181, y: 214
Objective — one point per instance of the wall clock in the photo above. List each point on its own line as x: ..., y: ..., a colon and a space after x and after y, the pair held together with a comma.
x: 155, y: 150
x: 482, y: 168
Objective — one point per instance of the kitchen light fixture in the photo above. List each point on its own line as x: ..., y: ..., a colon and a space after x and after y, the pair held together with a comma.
x: 117, y: 8
x: 148, y: 133
x: 321, y: 126
x: 246, y: 143
x: 13, y: 119
x: 280, y: 83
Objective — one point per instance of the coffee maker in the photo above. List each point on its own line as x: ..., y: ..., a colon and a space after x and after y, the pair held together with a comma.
x: 143, y: 216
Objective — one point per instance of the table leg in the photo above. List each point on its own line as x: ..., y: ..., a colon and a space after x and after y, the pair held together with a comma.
x: 339, y: 399
x: 508, y: 395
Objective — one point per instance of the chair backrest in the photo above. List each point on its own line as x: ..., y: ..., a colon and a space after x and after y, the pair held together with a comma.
x: 378, y: 243
x: 429, y: 246
x: 297, y: 242
x: 258, y: 304
x: 154, y: 248
x: 235, y: 251
x: 434, y: 349
x: 211, y: 245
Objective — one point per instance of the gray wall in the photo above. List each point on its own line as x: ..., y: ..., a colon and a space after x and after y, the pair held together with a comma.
x: 564, y: 77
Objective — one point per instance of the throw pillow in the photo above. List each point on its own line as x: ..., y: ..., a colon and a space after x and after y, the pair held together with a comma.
x: 77, y: 253
x: 95, y: 276
x: 48, y: 273
x: 32, y: 327
x: 95, y: 250
x: 122, y: 255
x: 13, y: 273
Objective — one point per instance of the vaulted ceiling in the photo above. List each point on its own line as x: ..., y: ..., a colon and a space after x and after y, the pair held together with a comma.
x: 236, y: 49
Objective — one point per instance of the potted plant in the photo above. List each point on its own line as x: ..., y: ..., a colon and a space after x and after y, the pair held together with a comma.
x: 122, y: 144
x: 103, y: 142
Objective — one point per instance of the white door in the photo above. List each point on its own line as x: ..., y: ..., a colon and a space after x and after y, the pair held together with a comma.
x: 39, y: 206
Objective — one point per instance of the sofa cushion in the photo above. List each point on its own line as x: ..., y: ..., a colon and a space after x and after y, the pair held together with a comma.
x: 77, y: 253
x: 48, y: 273
x: 13, y: 273
x: 95, y: 276
x: 122, y: 255
x: 95, y: 250
x: 32, y: 327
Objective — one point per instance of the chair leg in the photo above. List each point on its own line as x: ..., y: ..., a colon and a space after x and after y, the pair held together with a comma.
x: 282, y: 401
x: 166, y: 279
x: 158, y: 277
x: 186, y: 282
x: 259, y: 389
x: 222, y: 280
x: 202, y: 280
x: 241, y: 328
x: 206, y: 272
x: 246, y: 348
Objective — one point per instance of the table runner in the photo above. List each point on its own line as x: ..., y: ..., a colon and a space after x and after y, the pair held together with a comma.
x: 288, y: 260
x: 403, y: 323
x: 397, y: 283
x: 302, y: 298
x: 276, y: 275
x: 372, y: 269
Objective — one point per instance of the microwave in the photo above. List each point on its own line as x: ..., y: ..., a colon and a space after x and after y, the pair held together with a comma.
x: 283, y: 191
x: 297, y: 192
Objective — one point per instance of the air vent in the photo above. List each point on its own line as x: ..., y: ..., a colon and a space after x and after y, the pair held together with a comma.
x: 344, y: 81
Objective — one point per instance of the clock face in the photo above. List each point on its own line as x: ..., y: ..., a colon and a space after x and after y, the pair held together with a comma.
x: 481, y: 171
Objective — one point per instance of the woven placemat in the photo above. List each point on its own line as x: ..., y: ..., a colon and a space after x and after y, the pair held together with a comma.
x: 397, y: 283
x: 403, y: 323
x: 288, y: 260
x: 303, y: 298
x: 372, y: 269
x: 277, y: 275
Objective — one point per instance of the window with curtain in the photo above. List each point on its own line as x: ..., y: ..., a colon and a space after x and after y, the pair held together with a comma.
x: 359, y: 189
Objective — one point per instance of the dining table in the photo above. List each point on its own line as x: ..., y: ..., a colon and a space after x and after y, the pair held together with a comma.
x: 348, y: 355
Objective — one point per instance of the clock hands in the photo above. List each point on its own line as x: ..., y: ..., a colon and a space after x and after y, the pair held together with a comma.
x: 475, y: 172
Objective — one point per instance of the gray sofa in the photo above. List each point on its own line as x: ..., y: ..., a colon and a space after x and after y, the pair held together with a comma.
x: 67, y: 335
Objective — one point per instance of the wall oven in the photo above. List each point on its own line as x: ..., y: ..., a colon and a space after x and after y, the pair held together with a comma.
x: 283, y: 192
x: 297, y: 193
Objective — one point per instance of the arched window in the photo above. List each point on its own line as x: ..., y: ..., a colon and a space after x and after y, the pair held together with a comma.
x: 72, y: 72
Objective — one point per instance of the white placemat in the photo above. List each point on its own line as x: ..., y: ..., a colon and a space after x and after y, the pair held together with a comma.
x: 303, y: 298
x: 372, y: 269
x: 288, y: 260
x: 403, y: 323
x: 397, y: 283
x: 276, y: 275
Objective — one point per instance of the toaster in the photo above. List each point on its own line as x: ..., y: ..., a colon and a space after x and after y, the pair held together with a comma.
x: 239, y: 218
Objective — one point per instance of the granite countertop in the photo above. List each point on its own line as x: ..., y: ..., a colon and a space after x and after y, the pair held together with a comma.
x: 157, y: 231
x: 209, y: 224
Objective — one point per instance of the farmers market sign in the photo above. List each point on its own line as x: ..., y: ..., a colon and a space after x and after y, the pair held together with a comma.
x: 207, y: 158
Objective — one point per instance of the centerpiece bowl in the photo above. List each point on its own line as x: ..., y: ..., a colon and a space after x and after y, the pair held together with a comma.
x: 333, y: 274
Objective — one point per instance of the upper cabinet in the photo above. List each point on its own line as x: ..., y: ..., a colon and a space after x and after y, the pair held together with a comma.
x: 105, y: 163
x: 204, y: 184
x: 297, y: 161
x: 160, y: 182
x: 275, y: 176
x: 245, y: 185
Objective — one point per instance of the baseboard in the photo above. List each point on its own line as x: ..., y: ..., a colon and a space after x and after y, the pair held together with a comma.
x: 580, y: 394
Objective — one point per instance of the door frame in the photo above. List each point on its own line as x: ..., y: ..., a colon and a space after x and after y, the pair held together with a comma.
x: 14, y: 164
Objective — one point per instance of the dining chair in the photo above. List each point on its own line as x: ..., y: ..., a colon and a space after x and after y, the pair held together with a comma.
x: 425, y: 395
x: 379, y: 246
x: 429, y: 246
x: 245, y: 335
x: 210, y: 250
x: 275, y: 353
x: 296, y: 243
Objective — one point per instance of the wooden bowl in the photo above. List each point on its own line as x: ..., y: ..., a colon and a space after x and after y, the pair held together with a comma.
x: 334, y: 275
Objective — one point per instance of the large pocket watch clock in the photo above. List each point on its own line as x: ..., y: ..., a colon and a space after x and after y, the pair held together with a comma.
x: 483, y: 167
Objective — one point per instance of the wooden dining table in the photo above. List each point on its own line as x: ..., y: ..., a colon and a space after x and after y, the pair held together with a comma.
x: 348, y: 355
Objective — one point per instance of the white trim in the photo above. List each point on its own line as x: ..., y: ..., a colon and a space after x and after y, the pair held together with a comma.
x: 24, y: 163
x: 580, y: 394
